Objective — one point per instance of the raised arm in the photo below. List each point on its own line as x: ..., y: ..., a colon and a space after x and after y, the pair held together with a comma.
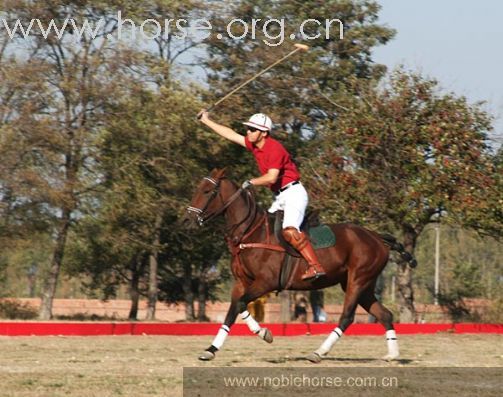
x: 222, y: 130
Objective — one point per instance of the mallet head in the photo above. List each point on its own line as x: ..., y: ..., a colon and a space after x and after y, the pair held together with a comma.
x: 302, y: 47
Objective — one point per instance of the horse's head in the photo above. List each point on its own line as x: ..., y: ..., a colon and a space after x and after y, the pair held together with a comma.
x: 211, y: 197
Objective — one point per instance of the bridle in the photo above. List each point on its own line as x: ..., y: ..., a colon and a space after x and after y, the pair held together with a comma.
x: 200, y: 213
x: 247, y: 221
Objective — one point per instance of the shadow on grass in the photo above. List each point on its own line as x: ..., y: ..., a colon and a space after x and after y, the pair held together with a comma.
x: 282, y: 360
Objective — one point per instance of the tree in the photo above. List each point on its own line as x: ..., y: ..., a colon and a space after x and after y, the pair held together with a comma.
x: 163, y: 62
x: 152, y: 152
x: 458, y: 246
x: 401, y: 154
x: 191, y: 270
x: 293, y: 92
x: 52, y: 137
x: 53, y: 140
x: 160, y: 66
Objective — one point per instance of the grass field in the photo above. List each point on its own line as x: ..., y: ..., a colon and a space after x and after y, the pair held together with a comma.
x: 152, y: 365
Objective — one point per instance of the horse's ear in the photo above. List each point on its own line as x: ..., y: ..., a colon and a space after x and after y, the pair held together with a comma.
x: 218, y: 173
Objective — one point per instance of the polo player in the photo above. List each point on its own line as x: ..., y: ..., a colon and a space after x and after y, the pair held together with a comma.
x: 281, y: 175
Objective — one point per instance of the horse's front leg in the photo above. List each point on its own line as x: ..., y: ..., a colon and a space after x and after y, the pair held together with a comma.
x: 230, y: 318
x: 253, y: 325
x: 239, y: 301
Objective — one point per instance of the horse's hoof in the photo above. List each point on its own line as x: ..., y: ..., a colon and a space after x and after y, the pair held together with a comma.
x: 207, y: 356
x: 314, y: 357
x: 390, y: 357
x: 266, y: 335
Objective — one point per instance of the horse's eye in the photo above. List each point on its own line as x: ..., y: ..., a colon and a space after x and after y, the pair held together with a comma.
x: 206, y: 192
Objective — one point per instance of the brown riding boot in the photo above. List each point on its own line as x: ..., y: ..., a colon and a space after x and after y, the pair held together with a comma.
x: 301, y: 243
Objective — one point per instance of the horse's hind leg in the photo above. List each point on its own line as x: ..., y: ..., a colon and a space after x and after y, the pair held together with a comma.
x: 347, y: 317
x: 369, y: 302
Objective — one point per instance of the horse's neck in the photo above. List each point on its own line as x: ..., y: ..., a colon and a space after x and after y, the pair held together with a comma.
x: 238, y: 216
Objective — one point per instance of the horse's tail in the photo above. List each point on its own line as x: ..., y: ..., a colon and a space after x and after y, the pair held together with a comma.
x: 394, y: 245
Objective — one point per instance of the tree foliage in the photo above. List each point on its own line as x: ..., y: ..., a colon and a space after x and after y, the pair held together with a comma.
x: 290, y: 92
x: 401, y: 156
x: 152, y: 153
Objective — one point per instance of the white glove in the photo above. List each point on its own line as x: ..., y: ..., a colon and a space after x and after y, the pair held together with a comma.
x: 246, y: 184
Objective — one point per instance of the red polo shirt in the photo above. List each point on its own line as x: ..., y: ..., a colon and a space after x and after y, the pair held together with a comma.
x: 274, y: 155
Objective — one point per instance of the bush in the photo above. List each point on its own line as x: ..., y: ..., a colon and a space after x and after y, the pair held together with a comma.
x: 86, y: 317
x: 455, y: 306
x: 15, y: 310
x: 494, y: 313
x: 466, y: 282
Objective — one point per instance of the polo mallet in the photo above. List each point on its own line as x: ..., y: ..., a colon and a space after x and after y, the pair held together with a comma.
x: 298, y: 47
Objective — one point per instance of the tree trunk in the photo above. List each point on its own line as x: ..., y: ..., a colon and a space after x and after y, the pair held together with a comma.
x: 152, y: 286
x: 134, y: 292
x: 135, y: 300
x: 202, y: 292
x: 189, y: 307
x: 188, y: 294
x: 404, y: 280
x: 153, y: 266
x: 285, y: 302
x: 45, y: 312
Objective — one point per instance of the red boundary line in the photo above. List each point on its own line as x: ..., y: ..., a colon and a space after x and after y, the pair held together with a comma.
x: 140, y: 328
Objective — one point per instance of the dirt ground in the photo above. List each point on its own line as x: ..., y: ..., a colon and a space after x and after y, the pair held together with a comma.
x: 152, y: 365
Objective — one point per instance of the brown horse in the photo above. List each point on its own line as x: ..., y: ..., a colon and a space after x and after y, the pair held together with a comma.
x: 355, y: 262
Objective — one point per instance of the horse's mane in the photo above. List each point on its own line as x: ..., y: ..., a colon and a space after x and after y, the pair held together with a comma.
x: 250, y: 198
x: 251, y: 195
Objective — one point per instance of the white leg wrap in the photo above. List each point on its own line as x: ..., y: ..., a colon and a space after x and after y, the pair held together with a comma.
x: 250, y: 321
x: 221, y: 335
x: 325, y: 347
x: 393, y: 351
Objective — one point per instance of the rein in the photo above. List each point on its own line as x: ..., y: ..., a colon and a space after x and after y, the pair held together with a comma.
x: 225, y: 206
x: 249, y: 224
x: 235, y: 242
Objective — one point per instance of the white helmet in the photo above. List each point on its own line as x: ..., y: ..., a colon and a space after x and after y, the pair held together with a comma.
x: 260, y: 121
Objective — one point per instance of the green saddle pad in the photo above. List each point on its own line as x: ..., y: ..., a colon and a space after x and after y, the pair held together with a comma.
x: 321, y: 236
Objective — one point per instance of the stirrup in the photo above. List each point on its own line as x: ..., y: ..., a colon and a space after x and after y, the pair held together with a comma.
x: 311, y: 277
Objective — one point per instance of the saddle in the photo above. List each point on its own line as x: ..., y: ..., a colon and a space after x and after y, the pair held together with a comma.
x: 321, y: 236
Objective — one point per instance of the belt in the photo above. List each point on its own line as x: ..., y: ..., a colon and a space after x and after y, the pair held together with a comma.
x: 286, y: 187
